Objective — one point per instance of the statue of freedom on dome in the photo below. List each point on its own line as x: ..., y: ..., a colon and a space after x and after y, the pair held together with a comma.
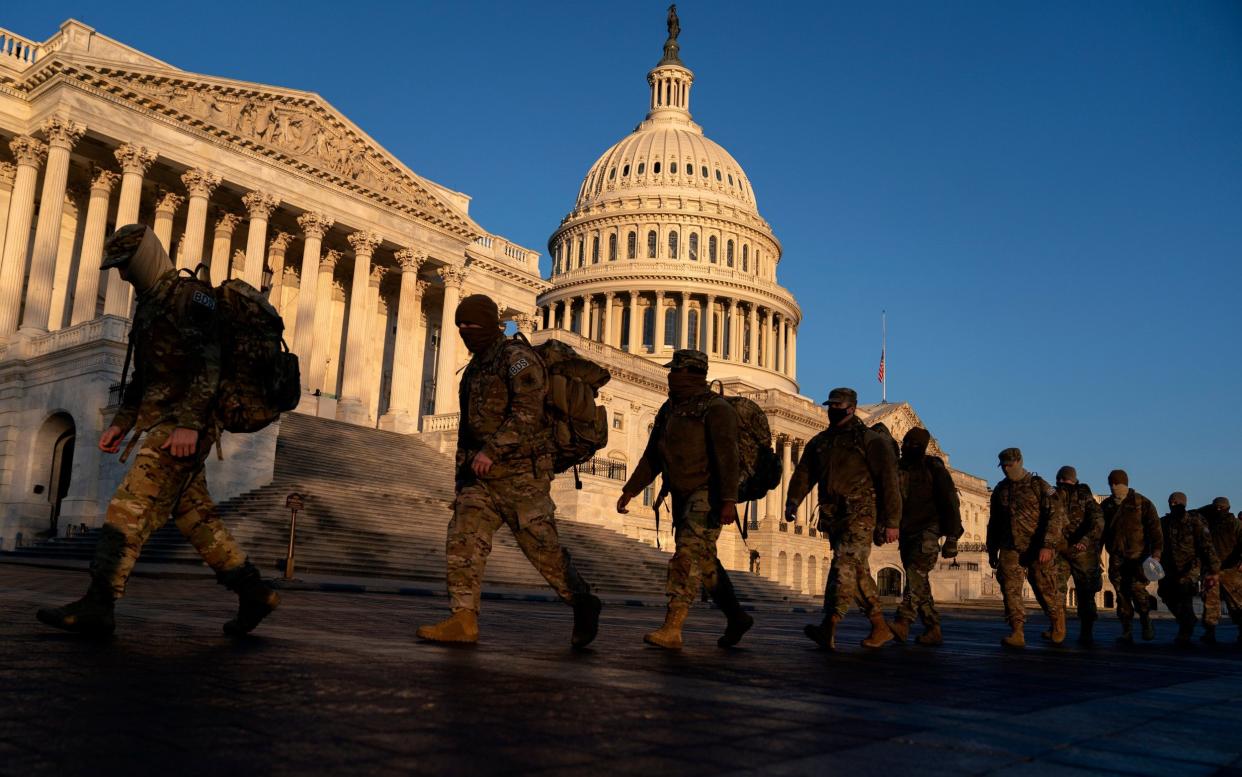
x: 670, y: 45
x: 674, y: 24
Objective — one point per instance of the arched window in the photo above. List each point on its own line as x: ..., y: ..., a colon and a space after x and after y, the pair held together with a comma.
x: 625, y: 171
x: 746, y: 355
x: 655, y: 167
x: 612, y: 247
x: 729, y: 253
x: 612, y: 173
x: 717, y: 174
x: 711, y: 249
x: 642, y: 166
x: 672, y: 168
x: 703, y: 169
x: 631, y: 246
x: 581, y: 248
x: 730, y: 179
x: 694, y: 246
x: 625, y: 328
x: 672, y: 244
x: 652, y: 244
x: 649, y: 327
x: 692, y: 329
x: 670, y: 327
x: 745, y: 258
x: 595, y: 250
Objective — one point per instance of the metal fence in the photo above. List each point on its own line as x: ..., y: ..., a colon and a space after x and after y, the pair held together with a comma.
x: 604, y: 468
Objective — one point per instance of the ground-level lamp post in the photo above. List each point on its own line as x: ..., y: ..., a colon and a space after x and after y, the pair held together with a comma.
x: 295, y: 503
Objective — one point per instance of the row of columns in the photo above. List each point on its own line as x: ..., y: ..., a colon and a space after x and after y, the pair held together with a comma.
x: 778, y: 350
x: 790, y: 450
x: 25, y: 307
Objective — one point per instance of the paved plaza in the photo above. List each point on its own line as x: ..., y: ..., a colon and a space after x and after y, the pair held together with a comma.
x: 335, y: 683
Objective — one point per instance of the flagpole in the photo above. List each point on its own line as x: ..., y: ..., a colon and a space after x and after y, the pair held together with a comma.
x: 884, y: 354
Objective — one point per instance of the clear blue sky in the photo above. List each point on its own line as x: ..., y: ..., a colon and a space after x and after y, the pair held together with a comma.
x: 1045, y: 196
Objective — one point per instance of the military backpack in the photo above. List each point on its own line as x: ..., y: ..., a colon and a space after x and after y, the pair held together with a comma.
x: 259, y: 377
x: 579, y: 423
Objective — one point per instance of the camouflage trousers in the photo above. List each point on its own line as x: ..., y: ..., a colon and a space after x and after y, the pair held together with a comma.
x: 849, y: 577
x: 1130, y: 583
x: 918, y: 557
x: 1179, y: 597
x: 1229, y: 588
x: 1084, y: 567
x: 694, y: 566
x: 524, y: 504
x: 1013, y: 570
x: 159, y: 486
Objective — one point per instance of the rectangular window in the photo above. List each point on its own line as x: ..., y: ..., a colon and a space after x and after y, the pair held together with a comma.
x: 618, y: 421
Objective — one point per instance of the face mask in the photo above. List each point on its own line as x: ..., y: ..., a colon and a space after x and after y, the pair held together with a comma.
x: 912, y: 453
x: 837, y: 414
x: 1120, y: 490
x: 683, y: 385
x: 478, y: 340
x: 1177, y: 510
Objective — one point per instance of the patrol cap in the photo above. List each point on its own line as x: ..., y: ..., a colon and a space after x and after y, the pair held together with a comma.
x: 1221, y: 502
x: 1068, y: 474
x: 1177, y: 498
x: 842, y: 394
x: 121, y: 246
x: 1010, y: 455
x: 1118, y: 477
x: 688, y: 359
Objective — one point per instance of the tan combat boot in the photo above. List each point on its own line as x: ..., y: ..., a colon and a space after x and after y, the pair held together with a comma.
x: 1016, y: 638
x: 880, y: 634
x: 932, y: 637
x: 825, y: 634
x: 900, y: 628
x: 462, y: 626
x: 669, y: 635
x: 1057, y: 634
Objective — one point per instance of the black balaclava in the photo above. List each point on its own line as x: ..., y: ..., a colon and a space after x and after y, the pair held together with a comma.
x: 914, y: 445
x: 1177, y: 504
x: 479, y: 309
x: 686, y: 384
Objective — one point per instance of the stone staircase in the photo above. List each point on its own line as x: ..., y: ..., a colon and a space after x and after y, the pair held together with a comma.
x: 377, y: 505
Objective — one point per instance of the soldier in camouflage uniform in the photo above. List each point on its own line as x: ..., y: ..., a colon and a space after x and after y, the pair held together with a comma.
x: 1131, y: 534
x: 1079, y: 550
x: 176, y: 356
x: 504, y: 476
x: 930, y: 509
x: 855, y: 470
x: 693, y: 447
x: 1188, y: 553
x: 1227, y: 538
x: 1024, y: 529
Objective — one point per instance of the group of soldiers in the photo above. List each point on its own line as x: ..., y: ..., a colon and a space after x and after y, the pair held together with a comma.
x: 871, y: 492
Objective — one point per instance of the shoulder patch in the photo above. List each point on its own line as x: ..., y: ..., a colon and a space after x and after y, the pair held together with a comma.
x: 519, y: 365
x: 201, y: 297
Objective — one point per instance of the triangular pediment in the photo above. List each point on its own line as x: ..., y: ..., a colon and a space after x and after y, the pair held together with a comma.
x: 900, y: 418
x: 291, y: 127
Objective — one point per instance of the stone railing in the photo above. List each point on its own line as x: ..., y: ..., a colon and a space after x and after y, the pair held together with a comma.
x: 111, y: 328
x: 774, y: 399
x: 17, y: 51
x: 445, y: 422
x: 484, y: 240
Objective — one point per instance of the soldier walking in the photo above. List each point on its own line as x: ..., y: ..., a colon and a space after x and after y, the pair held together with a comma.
x: 1078, y: 553
x: 504, y: 476
x: 1227, y: 540
x: 694, y: 448
x: 176, y: 356
x: 1188, y: 554
x: 930, y: 509
x: 1024, y: 529
x: 855, y: 470
x: 1131, y: 534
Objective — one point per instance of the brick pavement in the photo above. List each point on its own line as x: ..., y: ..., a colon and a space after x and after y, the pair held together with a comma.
x: 335, y: 683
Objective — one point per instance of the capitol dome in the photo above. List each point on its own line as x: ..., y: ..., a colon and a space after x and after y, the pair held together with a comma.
x: 665, y: 248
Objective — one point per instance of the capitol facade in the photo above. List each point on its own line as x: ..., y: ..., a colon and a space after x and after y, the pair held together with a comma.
x: 664, y: 248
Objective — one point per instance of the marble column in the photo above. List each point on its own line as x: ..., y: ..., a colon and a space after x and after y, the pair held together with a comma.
x: 314, y: 227
x: 86, y: 295
x: 375, y: 333
x: 259, y: 206
x: 222, y: 246
x: 276, y: 263
x: 8, y: 172
x: 658, y: 342
x: 775, y: 335
x: 29, y: 155
x: 199, y: 184
x: 752, y: 322
x: 351, y: 407
x: 446, y: 368
x: 683, y: 334
x: 793, y: 352
x: 608, y: 297
x: 705, y: 324
x: 64, y: 277
x: 735, y: 349
x: 166, y: 205
x: 319, y: 332
x: 134, y: 161
x: 525, y: 323
x: 635, y: 324
x: 403, y: 410
x: 785, y: 346
x: 62, y: 135
x: 786, y: 469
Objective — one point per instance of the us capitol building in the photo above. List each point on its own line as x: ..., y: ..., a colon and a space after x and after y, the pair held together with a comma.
x: 366, y: 260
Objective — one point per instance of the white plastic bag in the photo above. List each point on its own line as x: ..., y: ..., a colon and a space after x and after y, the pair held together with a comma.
x: 1152, y: 570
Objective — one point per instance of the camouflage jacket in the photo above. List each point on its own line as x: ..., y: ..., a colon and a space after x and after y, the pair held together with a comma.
x: 502, y: 413
x: 1226, y: 531
x: 1188, y: 548
x: 175, y: 373
x: 1084, y: 520
x: 929, y: 500
x: 693, y: 445
x: 856, y: 471
x: 1131, y: 527
x: 1025, y: 514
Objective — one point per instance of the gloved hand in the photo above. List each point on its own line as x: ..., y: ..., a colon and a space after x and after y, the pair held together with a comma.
x: 949, y: 549
x: 791, y: 513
